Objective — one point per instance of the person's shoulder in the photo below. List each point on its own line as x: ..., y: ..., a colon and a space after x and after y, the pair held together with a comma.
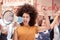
x: 36, y: 27
x: 19, y: 27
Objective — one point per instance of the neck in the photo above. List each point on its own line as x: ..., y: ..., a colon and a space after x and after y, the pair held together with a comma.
x: 26, y: 25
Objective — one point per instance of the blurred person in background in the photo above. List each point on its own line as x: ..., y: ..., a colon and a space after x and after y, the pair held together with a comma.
x: 57, y: 28
x: 0, y: 17
x: 38, y: 23
x: 39, y: 19
x: 45, y: 35
x: 6, y: 32
x: 6, y: 28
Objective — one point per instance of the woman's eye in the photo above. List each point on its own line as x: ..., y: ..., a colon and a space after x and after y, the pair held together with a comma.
x: 27, y: 17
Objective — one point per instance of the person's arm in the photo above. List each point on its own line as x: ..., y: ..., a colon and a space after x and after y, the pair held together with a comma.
x: 47, y: 21
x: 55, y: 21
x: 40, y: 29
x: 4, y: 30
x: 15, y: 37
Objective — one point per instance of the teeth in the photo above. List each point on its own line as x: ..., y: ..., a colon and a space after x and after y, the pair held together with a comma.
x: 25, y: 21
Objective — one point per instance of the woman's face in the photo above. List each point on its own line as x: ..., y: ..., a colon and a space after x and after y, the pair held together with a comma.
x: 26, y: 19
x: 43, y: 22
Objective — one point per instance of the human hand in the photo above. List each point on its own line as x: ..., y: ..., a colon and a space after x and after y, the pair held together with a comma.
x: 58, y: 14
x: 45, y: 12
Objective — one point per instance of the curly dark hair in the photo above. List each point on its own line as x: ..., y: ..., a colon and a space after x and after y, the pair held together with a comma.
x: 29, y: 9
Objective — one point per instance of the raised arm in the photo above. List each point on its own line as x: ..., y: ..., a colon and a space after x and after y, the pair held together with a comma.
x: 40, y: 29
x: 55, y: 21
x: 15, y: 37
x: 47, y: 21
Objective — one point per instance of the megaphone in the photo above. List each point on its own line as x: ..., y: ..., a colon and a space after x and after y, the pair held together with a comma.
x: 19, y: 19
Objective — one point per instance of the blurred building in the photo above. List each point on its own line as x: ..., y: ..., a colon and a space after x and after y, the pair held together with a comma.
x: 50, y: 5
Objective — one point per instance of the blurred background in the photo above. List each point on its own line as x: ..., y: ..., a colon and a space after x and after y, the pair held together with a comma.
x: 50, y: 5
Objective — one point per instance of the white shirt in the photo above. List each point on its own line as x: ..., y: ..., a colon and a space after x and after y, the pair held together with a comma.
x: 8, y: 28
x: 3, y: 25
x: 56, y: 33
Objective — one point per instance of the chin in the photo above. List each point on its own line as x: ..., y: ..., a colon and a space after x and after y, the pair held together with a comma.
x: 24, y: 23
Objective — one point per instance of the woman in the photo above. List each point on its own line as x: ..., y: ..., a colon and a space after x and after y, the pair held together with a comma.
x: 27, y: 30
x: 45, y: 35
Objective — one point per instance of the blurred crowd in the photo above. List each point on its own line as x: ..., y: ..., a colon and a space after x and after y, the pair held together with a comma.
x: 34, y: 25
